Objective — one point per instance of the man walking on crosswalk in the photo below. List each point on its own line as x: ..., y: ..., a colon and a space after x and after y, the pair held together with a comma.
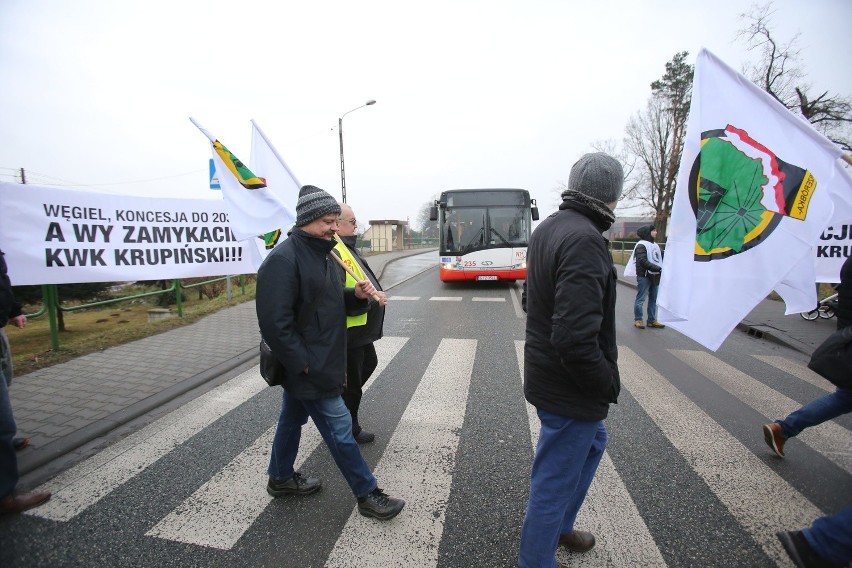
x: 570, y: 370
x: 301, y: 309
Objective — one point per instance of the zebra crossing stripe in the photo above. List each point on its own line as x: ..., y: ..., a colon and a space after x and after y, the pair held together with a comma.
x: 87, y: 483
x: 224, y: 508
x: 417, y: 466
x: 756, y: 496
x: 829, y: 438
x: 623, y: 539
x: 797, y: 370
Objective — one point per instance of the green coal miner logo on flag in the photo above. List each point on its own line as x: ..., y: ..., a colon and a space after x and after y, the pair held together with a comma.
x: 740, y: 191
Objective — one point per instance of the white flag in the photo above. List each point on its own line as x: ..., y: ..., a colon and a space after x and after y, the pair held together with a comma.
x: 253, y: 209
x: 280, y: 181
x: 754, y: 192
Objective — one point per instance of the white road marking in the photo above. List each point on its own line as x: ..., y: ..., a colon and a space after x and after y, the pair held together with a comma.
x: 828, y: 438
x: 223, y: 509
x: 622, y: 537
x: 87, y: 483
x: 417, y: 466
x: 445, y: 299
x: 760, y: 499
x: 797, y: 370
x: 404, y: 298
x: 515, y: 293
x: 480, y: 299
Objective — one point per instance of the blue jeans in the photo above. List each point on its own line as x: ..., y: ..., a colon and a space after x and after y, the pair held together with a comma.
x: 565, y: 463
x: 646, y: 286
x: 831, y: 537
x: 817, y: 411
x: 8, y: 459
x: 334, y: 423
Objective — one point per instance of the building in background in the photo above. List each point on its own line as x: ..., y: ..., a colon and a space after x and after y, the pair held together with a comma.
x: 624, y: 228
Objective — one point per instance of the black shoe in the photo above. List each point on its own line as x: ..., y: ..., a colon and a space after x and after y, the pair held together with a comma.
x: 380, y: 505
x: 20, y: 443
x: 296, y: 485
x: 364, y: 437
x: 800, y: 552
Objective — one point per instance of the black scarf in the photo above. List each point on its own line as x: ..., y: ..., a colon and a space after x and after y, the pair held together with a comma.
x: 593, y: 208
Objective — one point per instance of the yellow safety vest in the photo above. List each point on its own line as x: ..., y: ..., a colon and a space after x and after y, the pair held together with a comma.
x: 349, y: 260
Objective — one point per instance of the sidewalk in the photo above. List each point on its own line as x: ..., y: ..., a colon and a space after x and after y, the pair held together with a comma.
x: 63, y: 407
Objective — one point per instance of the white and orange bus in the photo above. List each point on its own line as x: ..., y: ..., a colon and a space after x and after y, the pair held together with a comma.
x: 484, y: 233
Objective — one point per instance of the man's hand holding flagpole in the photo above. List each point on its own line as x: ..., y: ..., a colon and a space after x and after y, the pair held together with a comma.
x: 375, y: 295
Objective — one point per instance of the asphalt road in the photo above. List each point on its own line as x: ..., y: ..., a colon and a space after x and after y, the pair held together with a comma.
x: 687, y: 480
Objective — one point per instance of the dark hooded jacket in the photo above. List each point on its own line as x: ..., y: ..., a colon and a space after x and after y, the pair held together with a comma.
x: 361, y: 335
x: 288, y: 283
x: 9, y: 307
x: 570, y: 355
x: 844, y: 295
x: 643, y: 264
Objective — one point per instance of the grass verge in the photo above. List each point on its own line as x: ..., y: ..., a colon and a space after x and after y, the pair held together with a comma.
x: 95, y: 329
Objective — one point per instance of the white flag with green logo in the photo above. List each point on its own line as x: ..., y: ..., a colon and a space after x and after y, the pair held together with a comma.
x: 755, y: 190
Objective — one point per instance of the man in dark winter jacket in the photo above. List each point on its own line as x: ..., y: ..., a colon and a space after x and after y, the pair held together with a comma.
x: 301, y: 309
x: 570, y: 356
x: 363, y: 328
x: 649, y: 266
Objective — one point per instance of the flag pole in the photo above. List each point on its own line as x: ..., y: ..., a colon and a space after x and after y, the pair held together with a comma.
x: 351, y: 273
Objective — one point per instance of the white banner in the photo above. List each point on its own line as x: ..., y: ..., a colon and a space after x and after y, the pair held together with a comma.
x: 831, y: 251
x: 62, y: 236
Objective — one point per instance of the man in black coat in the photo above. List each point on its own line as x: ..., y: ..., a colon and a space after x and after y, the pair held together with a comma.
x: 10, y: 502
x: 363, y: 328
x: 570, y: 355
x: 301, y: 309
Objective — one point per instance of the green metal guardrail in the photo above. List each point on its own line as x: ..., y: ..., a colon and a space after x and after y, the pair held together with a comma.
x: 51, y: 307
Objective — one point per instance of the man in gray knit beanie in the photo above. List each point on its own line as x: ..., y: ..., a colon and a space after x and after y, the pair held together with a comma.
x: 314, y: 203
x: 301, y: 305
x: 570, y: 356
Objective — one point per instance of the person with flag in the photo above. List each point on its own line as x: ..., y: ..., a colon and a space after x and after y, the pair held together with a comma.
x: 363, y: 328
x: 301, y: 310
x: 649, y: 266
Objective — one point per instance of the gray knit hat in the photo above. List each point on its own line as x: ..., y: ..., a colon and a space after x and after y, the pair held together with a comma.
x: 597, y: 175
x: 314, y: 203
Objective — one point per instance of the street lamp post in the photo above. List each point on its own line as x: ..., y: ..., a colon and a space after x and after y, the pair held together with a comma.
x: 340, y: 132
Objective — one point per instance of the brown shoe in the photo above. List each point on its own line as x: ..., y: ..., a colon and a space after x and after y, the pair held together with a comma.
x: 639, y: 324
x: 22, y: 502
x: 774, y: 438
x: 656, y: 325
x: 577, y: 541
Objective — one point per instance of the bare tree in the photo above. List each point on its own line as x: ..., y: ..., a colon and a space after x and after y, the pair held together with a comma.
x: 779, y: 73
x: 427, y: 227
x: 654, y: 139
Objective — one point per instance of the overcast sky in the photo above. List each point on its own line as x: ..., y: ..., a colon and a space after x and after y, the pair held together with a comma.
x: 98, y: 94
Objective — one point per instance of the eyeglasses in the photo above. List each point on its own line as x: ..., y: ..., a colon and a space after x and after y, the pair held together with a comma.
x: 352, y: 220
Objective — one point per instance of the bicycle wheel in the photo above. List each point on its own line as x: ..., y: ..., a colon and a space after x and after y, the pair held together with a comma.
x: 825, y: 312
x: 811, y: 315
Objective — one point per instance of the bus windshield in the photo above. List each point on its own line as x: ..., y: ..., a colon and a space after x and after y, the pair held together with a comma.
x: 485, y: 219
